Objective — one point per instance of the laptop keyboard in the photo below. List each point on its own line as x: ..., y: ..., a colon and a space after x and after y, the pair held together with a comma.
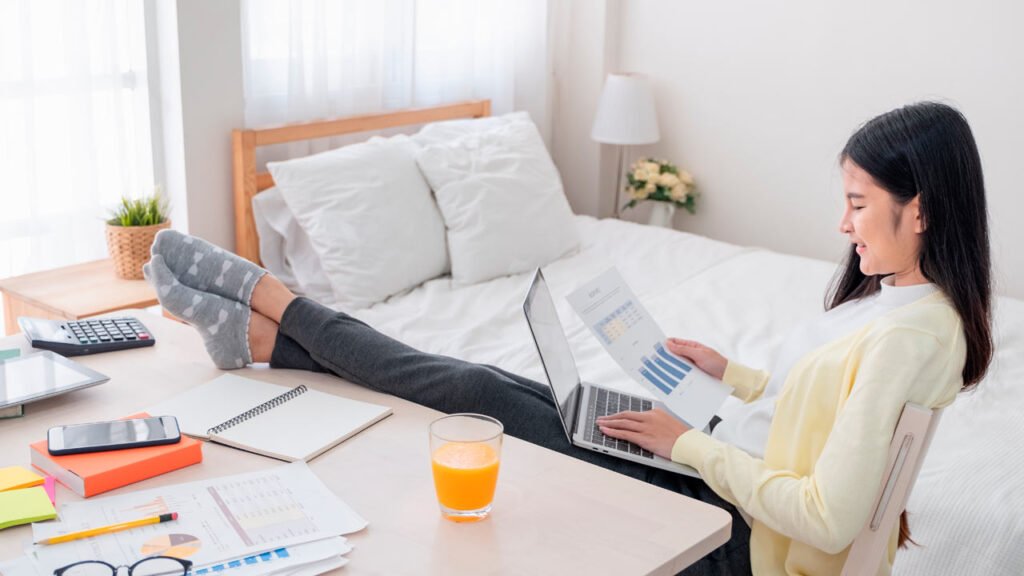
x: 606, y: 402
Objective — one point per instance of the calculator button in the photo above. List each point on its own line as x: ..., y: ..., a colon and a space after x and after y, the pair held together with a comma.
x: 83, y: 340
x: 143, y: 336
x: 94, y: 340
x: 129, y: 336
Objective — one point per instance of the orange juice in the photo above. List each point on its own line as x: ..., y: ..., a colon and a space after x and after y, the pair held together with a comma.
x: 465, y: 474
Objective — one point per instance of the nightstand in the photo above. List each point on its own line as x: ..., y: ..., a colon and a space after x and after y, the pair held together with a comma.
x: 71, y: 293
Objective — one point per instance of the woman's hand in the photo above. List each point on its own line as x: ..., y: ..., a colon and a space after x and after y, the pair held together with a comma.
x: 705, y: 358
x: 654, y: 430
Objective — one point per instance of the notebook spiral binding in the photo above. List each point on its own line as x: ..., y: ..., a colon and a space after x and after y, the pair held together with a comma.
x: 252, y: 413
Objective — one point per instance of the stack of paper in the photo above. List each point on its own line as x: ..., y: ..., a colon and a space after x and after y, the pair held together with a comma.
x: 278, y: 521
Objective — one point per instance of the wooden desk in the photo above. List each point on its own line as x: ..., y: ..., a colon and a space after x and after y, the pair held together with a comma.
x: 552, y: 514
x: 71, y: 293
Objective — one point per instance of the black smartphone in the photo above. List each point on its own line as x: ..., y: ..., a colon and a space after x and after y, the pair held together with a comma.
x: 113, y: 435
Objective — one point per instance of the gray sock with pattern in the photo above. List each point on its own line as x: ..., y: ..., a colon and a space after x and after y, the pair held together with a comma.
x: 223, y: 323
x: 207, y: 268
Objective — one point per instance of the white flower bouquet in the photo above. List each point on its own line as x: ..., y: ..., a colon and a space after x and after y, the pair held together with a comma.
x: 662, y: 181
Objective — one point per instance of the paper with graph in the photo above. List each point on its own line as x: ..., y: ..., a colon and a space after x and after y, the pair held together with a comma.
x: 237, y: 525
x: 621, y: 324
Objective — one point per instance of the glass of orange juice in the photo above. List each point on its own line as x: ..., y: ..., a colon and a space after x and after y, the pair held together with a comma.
x: 465, y: 450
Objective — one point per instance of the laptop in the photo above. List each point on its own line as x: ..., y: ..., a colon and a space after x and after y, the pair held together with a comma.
x: 579, y: 404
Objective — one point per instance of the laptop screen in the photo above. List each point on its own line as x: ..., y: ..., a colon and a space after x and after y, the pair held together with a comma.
x: 554, y: 350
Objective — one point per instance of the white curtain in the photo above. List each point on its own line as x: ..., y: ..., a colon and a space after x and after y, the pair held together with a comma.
x: 74, y: 126
x: 310, y: 59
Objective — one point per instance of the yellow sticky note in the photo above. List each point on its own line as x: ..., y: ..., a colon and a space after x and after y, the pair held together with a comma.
x: 13, y: 477
x: 25, y: 505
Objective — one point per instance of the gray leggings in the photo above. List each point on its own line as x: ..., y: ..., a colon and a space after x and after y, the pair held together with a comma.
x: 315, y: 338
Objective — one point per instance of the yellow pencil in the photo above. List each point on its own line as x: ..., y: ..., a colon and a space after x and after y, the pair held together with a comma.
x: 112, y: 528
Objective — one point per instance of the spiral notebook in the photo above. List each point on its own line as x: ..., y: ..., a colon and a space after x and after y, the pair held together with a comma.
x: 277, y: 421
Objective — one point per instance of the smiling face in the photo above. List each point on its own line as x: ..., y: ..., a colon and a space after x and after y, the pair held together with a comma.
x: 887, y: 235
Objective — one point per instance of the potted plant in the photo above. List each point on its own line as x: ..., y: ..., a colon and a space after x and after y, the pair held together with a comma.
x: 665, y: 184
x: 130, y: 232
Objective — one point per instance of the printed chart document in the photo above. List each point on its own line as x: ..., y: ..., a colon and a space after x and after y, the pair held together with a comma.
x: 248, y: 523
x: 617, y: 319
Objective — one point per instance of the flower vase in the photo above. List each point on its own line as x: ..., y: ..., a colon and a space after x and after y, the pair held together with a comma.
x: 662, y: 214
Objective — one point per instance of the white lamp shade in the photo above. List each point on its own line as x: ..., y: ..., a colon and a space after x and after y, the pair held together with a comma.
x: 625, y: 113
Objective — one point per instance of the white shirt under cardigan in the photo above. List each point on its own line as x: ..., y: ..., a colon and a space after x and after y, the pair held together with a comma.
x: 746, y: 425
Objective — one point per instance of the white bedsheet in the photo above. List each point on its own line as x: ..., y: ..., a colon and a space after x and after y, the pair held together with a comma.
x: 965, y: 509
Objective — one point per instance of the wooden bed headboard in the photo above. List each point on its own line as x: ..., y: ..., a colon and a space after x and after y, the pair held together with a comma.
x: 249, y: 183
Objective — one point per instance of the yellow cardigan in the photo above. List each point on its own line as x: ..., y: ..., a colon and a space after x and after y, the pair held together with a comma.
x: 829, y: 439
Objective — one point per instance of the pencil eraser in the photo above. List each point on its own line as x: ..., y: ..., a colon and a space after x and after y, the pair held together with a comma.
x: 174, y: 515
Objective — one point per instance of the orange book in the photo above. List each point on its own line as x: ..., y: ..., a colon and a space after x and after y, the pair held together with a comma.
x: 97, y: 472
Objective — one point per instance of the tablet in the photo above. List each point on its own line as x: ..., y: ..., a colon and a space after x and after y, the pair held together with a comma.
x: 41, y: 375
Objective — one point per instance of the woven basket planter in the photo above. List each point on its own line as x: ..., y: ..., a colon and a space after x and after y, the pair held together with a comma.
x: 129, y: 248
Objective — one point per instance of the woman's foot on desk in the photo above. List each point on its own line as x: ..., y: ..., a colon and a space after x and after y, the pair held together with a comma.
x: 207, y: 268
x: 270, y: 297
x: 262, y: 336
x: 223, y: 323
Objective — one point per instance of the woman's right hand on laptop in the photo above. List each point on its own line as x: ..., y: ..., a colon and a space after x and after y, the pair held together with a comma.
x: 707, y: 359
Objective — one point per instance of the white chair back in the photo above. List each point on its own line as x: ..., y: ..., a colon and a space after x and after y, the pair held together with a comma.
x: 909, y: 446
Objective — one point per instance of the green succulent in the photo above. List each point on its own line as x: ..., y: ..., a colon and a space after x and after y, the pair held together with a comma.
x: 147, y: 211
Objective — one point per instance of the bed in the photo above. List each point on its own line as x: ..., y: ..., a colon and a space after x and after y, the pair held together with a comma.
x: 964, y: 510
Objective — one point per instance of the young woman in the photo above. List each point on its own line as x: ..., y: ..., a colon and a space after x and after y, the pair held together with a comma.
x: 907, y: 321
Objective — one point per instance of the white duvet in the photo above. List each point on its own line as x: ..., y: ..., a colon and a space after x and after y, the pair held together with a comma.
x: 966, y: 509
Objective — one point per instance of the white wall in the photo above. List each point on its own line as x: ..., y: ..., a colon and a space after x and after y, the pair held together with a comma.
x: 583, y: 51
x: 756, y: 99
x: 199, y: 46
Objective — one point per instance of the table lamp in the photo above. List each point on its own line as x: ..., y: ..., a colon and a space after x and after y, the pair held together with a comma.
x: 625, y: 117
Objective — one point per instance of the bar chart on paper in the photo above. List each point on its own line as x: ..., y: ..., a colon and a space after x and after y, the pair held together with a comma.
x: 633, y: 339
x: 664, y: 370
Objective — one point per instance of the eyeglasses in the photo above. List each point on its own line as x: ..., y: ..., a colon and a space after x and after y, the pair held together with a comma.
x: 152, y: 566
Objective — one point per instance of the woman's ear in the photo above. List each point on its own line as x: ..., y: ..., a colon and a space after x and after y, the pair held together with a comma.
x: 920, y: 225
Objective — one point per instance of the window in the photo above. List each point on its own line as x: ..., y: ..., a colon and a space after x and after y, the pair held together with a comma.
x: 74, y: 126
x: 310, y: 59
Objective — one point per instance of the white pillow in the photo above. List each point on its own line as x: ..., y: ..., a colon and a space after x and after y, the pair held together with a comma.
x: 369, y: 216
x: 450, y: 130
x: 285, y: 248
x: 501, y: 199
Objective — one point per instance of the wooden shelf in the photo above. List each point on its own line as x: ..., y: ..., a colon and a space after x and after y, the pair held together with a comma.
x: 71, y: 293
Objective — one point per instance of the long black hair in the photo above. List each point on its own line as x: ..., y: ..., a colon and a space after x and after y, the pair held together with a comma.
x: 927, y: 150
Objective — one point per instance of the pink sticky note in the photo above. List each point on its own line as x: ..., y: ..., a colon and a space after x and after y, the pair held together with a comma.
x: 49, y: 484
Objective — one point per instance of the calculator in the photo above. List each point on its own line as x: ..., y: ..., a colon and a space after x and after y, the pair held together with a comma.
x: 79, y: 337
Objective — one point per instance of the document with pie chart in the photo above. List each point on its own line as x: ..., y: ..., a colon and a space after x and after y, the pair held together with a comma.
x: 241, y: 521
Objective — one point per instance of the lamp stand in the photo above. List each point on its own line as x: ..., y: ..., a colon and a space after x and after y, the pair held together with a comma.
x: 619, y: 184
